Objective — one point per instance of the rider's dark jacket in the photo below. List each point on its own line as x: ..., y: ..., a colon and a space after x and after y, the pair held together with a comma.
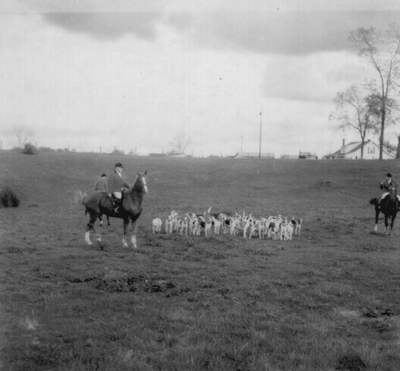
x: 116, y: 183
x: 389, y: 185
x: 101, y: 185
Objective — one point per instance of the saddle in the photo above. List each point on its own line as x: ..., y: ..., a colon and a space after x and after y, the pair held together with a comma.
x: 117, y: 202
x: 391, y: 198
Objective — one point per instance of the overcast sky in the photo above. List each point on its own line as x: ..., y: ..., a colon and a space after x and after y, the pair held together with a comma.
x: 85, y: 74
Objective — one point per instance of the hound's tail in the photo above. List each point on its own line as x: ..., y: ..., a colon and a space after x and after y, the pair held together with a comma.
x: 372, y: 201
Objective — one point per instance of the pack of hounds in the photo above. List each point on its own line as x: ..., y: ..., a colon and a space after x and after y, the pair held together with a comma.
x: 273, y: 227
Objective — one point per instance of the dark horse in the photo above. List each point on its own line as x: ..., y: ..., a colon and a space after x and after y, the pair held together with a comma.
x: 98, y: 203
x: 388, y: 207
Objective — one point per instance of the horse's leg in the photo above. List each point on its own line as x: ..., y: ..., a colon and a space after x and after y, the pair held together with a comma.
x: 126, y: 223
x: 92, y: 220
x: 98, y: 235
x: 94, y: 231
x: 108, y: 220
x: 391, y: 225
x: 133, y: 238
x: 386, y: 223
x: 376, y: 218
x: 101, y: 221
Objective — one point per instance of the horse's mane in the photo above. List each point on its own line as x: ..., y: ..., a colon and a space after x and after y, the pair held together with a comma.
x: 133, y: 184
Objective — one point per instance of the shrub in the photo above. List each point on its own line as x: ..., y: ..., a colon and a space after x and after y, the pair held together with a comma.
x: 29, y: 149
x: 8, y: 197
x: 46, y: 149
x: 117, y: 152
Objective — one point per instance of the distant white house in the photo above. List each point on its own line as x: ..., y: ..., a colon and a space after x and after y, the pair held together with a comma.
x: 352, y: 151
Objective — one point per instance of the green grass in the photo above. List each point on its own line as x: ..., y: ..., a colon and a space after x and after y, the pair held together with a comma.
x: 195, y: 303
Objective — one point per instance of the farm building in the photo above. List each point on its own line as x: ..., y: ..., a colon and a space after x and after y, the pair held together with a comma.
x: 352, y: 151
x: 308, y: 156
x: 157, y: 155
x: 265, y: 155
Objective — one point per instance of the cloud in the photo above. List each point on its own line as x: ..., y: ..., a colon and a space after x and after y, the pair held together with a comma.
x: 282, y: 33
x: 282, y: 27
x: 88, y: 6
x: 107, y: 26
x: 180, y: 20
x: 312, y: 78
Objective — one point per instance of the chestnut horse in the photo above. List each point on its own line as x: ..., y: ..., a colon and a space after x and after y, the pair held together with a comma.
x: 98, y: 203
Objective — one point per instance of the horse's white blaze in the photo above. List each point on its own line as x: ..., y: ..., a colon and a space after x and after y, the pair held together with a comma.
x: 87, y: 238
x: 144, y: 185
x: 133, y: 239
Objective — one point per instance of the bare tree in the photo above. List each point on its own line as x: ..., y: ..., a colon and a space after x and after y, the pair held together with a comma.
x: 19, y: 135
x: 180, y: 142
x: 353, y: 111
x: 398, y: 146
x: 381, y: 50
x: 390, y: 147
x: 395, y: 118
x: 394, y: 148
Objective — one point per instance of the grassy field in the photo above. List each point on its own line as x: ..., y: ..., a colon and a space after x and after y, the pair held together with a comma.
x: 327, y: 300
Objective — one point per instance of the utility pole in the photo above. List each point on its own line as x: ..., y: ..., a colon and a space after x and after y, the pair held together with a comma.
x: 241, y: 145
x: 259, y: 149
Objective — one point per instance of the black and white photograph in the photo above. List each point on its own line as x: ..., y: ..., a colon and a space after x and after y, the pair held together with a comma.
x: 199, y: 185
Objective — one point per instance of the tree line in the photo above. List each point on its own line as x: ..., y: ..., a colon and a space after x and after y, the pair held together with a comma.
x: 374, y: 106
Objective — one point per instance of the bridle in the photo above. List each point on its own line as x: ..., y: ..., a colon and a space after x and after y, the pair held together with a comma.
x: 144, y: 189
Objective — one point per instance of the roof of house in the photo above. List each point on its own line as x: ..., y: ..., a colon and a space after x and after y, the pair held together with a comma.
x: 354, y: 149
x: 357, y: 147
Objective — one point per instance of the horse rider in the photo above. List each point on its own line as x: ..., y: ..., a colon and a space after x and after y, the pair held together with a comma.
x: 116, y: 186
x: 101, y: 184
x: 389, y: 186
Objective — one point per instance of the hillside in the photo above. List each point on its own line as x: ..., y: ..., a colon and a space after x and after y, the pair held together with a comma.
x: 329, y: 296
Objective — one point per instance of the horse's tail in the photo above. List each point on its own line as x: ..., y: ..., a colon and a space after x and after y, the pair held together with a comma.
x: 372, y: 201
x: 78, y: 196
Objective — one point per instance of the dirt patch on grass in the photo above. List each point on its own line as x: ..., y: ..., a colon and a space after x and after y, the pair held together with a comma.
x: 132, y: 284
x: 351, y: 362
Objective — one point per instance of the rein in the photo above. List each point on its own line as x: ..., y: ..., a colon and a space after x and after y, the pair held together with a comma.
x: 143, y: 190
x: 133, y: 184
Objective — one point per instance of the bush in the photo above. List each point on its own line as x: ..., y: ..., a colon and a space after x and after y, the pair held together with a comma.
x: 46, y: 149
x: 29, y: 149
x: 8, y: 197
x: 117, y: 152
